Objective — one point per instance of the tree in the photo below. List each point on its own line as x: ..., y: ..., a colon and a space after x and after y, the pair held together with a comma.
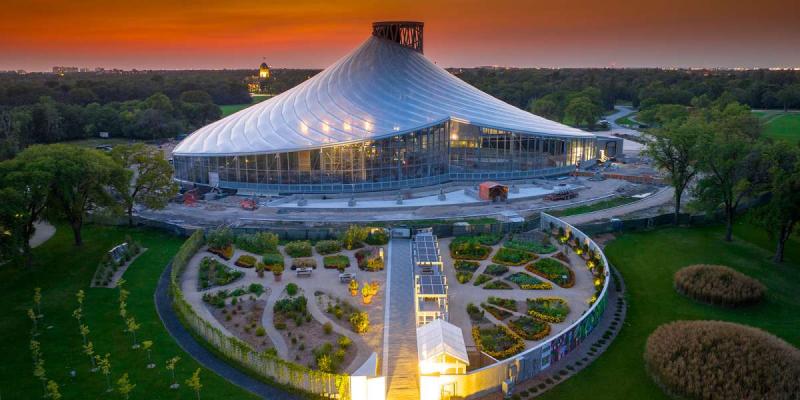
x: 789, y: 96
x: 52, y: 390
x: 78, y: 180
x: 124, y: 385
x: 674, y: 149
x: 105, y: 368
x: 88, y: 349
x: 663, y: 114
x: 732, y: 167
x: 359, y: 320
x: 353, y: 236
x: 546, y: 108
x: 781, y: 214
x: 12, y: 236
x: 171, y: 367
x: 194, y: 382
x: 151, y: 181
x: 581, y: 110
x: 133, y: 326
x: 28, y: 178
x: 147, y: 346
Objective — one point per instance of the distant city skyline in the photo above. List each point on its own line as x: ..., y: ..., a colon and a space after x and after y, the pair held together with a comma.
x: 37, y: 35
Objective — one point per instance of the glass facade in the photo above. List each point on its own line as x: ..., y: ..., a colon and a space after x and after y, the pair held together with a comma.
x: 445, y: 152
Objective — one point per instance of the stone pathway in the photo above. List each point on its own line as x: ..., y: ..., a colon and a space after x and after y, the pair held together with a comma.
x: 400, y: 364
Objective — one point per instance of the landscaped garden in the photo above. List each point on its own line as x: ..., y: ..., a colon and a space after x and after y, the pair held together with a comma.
x: 497, y: 341
x: 469, y: 248
x: 528, y: 282
x: 548, y: 309
x: 60, y: 269
x: 214, y: 273
x: 529, y: 328
x: 647, y: 262
x: 553, y: 271
x: 507, y: 256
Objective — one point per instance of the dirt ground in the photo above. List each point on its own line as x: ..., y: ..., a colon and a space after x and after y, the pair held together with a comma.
x: 243, y: 319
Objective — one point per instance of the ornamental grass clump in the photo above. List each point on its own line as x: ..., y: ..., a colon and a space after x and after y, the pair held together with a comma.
x: 718, y: 285
x: 721, y: 360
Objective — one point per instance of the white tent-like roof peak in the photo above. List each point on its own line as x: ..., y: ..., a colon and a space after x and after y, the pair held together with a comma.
x: 441, y: 337
x: 382, y: 88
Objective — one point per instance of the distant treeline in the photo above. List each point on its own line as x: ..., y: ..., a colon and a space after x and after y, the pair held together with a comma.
x: 554, y: 89
x: 45, y: 108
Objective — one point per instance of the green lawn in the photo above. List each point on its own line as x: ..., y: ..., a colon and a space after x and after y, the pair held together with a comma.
x: 61, y: 270
x: 600, y: 205
x: 626, y: 120
x: 647, y: 262
x: 784, y: 127
x: 233, y: 108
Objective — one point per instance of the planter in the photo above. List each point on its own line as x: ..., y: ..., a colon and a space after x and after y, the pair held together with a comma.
x: 367, y: 299
x: 354, y: 292
x: 278, y: 277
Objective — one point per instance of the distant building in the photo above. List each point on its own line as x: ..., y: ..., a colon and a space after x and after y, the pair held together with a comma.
x: 263, y: 71
x: 259, y: 84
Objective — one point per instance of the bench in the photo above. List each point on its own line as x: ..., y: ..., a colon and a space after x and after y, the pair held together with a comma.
x: 304, y: 271
x: 346, y: 277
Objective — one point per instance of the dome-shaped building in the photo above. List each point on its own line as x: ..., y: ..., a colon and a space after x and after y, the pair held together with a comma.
x: 382, y: 117
x: 263, y: 71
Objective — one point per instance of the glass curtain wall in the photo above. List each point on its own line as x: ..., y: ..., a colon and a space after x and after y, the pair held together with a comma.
x: 448, y: 151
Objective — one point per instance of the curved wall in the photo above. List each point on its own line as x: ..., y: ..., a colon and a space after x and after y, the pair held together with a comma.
x: 445, y: 151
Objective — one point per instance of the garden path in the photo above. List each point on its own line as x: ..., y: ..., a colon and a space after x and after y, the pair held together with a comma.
x: 269, y: 327
x: 363, y: 351
x: 400, y: 348
x: 44, y: 231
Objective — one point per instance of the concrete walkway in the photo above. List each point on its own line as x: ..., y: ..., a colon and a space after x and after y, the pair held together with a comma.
x: 202, y: 355
x: 44, y: 231
x: 400, y: 362
x: 661, y: 197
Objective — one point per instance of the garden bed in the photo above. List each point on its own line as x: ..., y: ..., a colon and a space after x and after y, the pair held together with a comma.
x: 213, y: 273
x: 498, y: 313
x: 243, y: 320
x: 270, y: 260
x: 223, y: 252
x: 497, y: 341
x: 553, y: 271
x: 342, y: 311
x: 338, y: 261
x: 529, y: 328
x: 469, y: 248
x: 465, y: 270
x: 532, y: 247
x: 245, y: 261
x: 303, y: 263
x: 219, y: 298
x: 369, y: 259
x: 495, y: 270
x: 514, y: 257
x: 497, y: 284
x: 309, y: 342
x: 548, y: 309
x: 528, y: 282
x: 508, y: 304
x: 299, y: 248
x: 481, y: 279
x: 325, y: 247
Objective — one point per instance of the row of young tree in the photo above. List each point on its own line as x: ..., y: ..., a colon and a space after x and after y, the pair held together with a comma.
x: 64, y: 183
x: 717, y: 152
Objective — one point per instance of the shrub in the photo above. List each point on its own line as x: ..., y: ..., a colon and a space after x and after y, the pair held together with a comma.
x: 245, y: 261
x: 464, y: 265
x: 529, y: 328
x: 368, y: 290
x: 224, y: 252
x: 468, y: 248
x: 344, y: 342
x: 304, y: 263
x: 718, y: 285
x: 721, y: 360
x: 512, y: 256
x: 553, y: 271
x: 497, y: 285
x: 328, y: 247
x: 481, y: 279
x: 292, y: 307
x: 260, y: 331
x: 219, y: 238
x: 495, y: 270
x: 496, y: 312
x: 527, y: 282
x: 272, y: 259
x: 508, y: 304
x: 339, y: 262
x: 533, y: 247
x: 369, y: 259
x: 327, y: 328
x: 291, y: 289
x: 259, y: 243
x: 497, y: 341
x: 377, y: 237
x: 359, y: 321
x: 463, y: 276
x: 256, y: 288
x: 214, y: 273
x: 549, y: 309
x: 474, y: 312
x: 298, y: 248
x: 353, y: 236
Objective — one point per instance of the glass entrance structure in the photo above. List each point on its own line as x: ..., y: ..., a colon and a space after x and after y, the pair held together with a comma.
x: 383, y: 117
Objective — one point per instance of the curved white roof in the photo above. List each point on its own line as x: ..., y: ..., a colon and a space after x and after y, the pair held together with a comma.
x: 379, y: 89
x: 438, y: 337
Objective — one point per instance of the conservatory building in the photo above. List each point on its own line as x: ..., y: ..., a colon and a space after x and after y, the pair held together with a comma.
x: 382, y: 117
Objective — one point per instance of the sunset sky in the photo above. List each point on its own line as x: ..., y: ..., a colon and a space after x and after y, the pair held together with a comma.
x: 36, y: 34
